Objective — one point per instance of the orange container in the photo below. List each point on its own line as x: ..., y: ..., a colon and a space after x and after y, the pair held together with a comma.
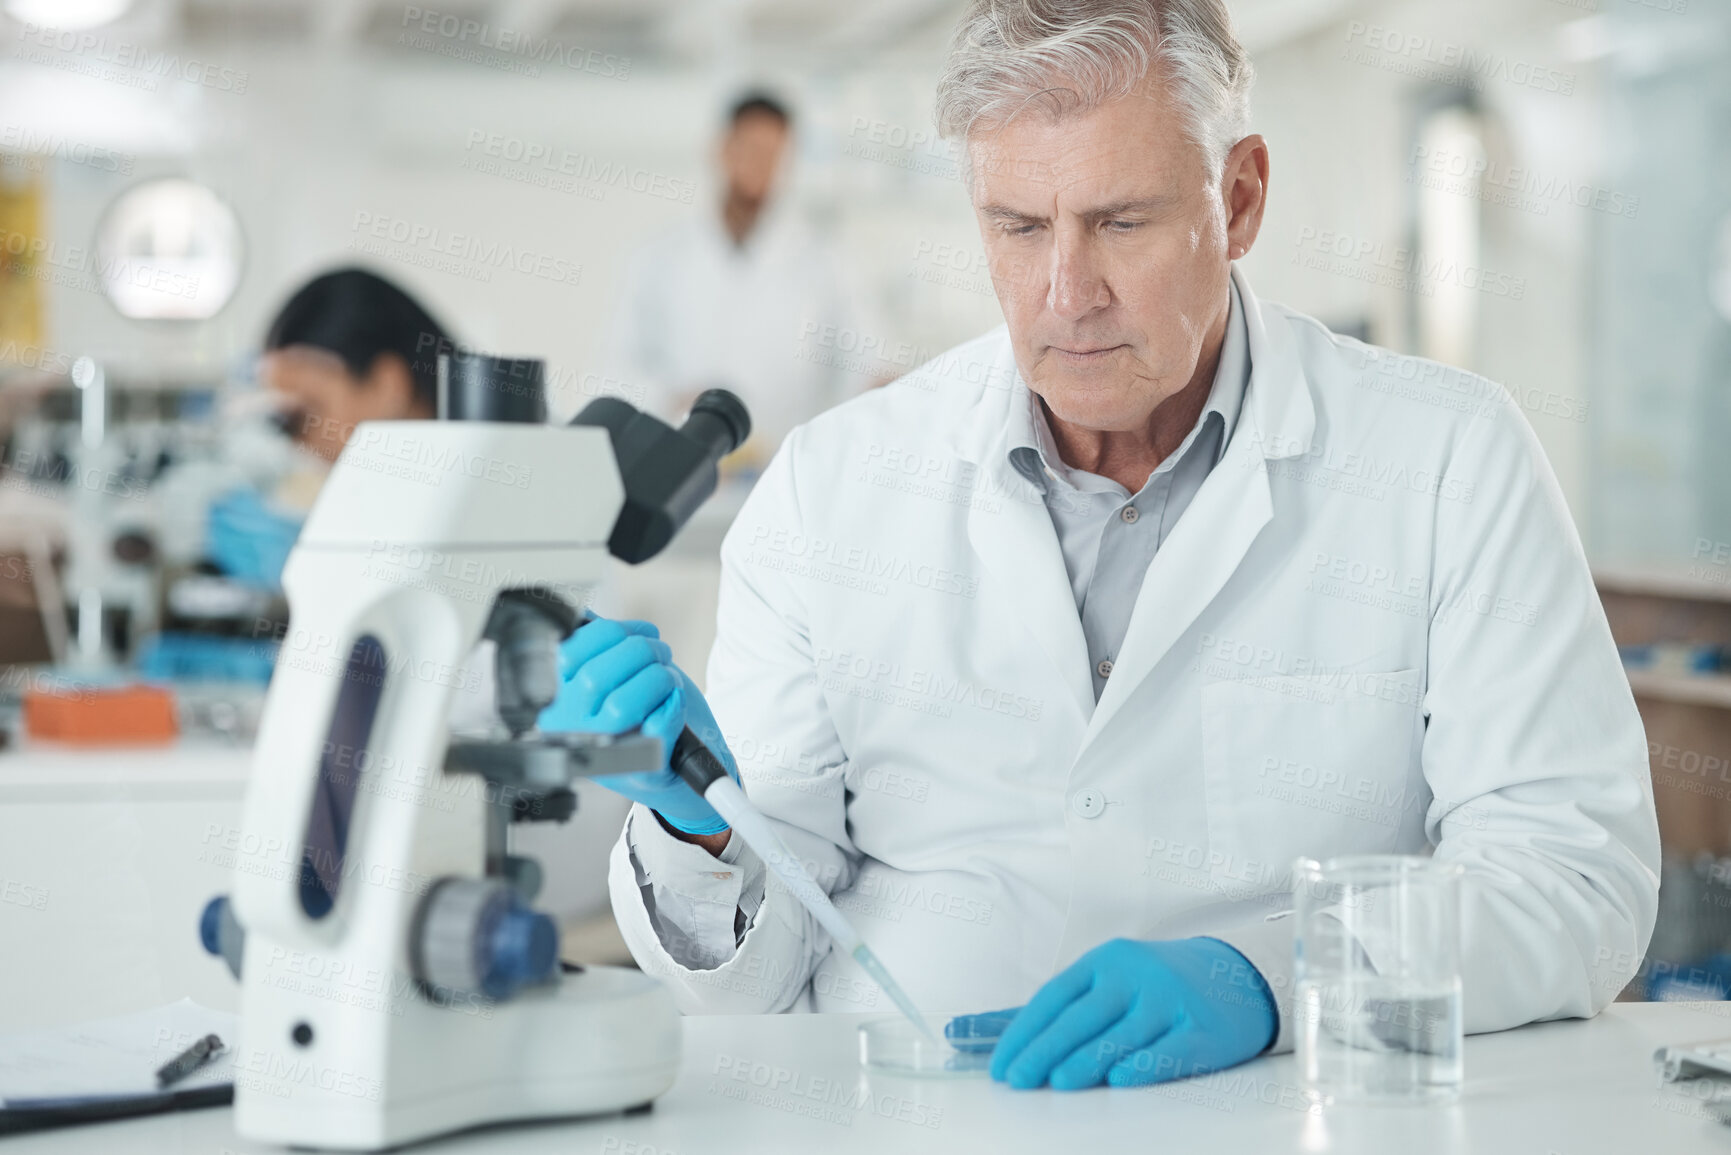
x: 101, y: 715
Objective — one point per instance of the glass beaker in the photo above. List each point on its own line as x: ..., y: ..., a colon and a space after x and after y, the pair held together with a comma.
x: 1377, y: 985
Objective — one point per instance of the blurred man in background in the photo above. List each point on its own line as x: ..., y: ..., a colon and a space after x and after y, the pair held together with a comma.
x: 744, y: 299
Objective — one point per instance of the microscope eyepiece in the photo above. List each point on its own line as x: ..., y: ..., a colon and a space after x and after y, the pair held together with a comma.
x: 718, y: 422
x: 480, y: 387
x: 667, y: 472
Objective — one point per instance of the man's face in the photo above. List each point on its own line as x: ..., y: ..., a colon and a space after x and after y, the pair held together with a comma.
x: 751, y: 154
x: 1108, y: 241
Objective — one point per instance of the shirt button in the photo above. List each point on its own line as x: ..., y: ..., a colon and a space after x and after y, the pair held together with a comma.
x: 1087, y: 803
x: 1129, y: 513
x: 1104, y: 669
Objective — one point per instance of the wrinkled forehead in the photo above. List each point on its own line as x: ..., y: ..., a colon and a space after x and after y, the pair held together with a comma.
x: 1053, y: 150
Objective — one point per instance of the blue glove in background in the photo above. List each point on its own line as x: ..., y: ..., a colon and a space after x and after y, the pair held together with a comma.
x: 249, y: 539
x: 1129, y: 1013
x: 619, y: 676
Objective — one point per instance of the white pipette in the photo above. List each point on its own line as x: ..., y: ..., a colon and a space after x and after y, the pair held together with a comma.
x: 703, y: 772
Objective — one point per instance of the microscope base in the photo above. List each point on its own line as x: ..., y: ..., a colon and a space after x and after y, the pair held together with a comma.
x: 597, y: 1042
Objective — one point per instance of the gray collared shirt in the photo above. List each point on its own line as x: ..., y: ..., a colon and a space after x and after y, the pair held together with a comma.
x: 1108, y: 537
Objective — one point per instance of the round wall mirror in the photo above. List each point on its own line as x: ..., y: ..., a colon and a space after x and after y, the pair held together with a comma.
x: 169, y: 250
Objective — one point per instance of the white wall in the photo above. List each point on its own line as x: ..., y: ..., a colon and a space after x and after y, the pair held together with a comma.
x: 1340, y: 136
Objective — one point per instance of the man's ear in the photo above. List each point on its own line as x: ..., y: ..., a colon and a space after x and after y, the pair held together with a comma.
x: 391, y: 390
x: 1244, y: 183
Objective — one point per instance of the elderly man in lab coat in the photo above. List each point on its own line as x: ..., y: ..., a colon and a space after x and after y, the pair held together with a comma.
x: 1053, y: 656
x: 740, y: 298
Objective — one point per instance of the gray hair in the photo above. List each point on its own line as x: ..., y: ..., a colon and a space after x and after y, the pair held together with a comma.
x: 1073, y: 55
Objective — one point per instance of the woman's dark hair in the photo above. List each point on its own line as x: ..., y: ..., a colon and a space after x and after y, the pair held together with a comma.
x: 360, y: 316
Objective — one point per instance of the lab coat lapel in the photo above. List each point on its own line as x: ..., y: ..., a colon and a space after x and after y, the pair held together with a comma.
x: 1205, y: 548
x: 1014, y: 538
x: 1019, y: 546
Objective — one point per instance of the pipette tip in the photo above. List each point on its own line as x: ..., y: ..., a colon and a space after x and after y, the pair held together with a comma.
x: 875, y: 968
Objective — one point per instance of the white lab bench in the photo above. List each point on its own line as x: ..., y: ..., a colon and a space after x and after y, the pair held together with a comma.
x: 791, y: 1083
x: 106, y: 859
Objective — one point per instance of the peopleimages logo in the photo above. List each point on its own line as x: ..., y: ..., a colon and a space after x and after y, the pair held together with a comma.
x: 1330, y: 251
x: 468, y: 250
x: 74, y: 267
x: 1515, y: 186
x: 21, y: 139
x: 464, y: 35
x: 145, y: 65
x: 1426, y: 57
x: 28, y: 356
x: 540, y: 163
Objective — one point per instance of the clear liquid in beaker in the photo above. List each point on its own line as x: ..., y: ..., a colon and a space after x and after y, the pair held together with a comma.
x: 1377, y: 1038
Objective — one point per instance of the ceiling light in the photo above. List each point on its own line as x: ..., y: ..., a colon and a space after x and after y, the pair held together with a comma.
x: 67, y: 14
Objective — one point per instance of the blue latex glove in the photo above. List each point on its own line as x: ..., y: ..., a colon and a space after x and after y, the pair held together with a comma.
x: 618, y: 677
x: 1128, y: 1013
x: 249, y: 539
x: 172, y: 656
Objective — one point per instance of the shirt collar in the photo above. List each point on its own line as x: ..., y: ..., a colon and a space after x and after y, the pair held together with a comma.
x: 1034, y: 453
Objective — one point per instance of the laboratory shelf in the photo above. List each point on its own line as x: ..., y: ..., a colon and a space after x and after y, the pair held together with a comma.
x: 1696, y: 583
x: 1694, y: 689
x: 39, y: 771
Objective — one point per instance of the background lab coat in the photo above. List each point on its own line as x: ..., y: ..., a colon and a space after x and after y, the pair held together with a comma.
x: 774, y: 321
x: 1373, y: 630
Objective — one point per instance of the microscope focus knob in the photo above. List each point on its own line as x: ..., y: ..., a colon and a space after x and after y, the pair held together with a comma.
x: 474, y: 935
x: 221, y: 933
x: 525, y: 951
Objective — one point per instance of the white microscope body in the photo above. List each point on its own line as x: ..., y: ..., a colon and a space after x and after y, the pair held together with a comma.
x: 365, y: 1021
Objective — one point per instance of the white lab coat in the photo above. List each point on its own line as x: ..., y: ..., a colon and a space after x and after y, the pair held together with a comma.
x: 775, y: 321
x: 1373, y: 630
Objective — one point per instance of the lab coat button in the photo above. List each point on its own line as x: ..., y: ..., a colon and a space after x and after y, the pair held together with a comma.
x: 1088, y: 803
x: 1104, y: 669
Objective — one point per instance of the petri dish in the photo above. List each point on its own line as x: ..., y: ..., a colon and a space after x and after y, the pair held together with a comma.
x: 893, y: 1046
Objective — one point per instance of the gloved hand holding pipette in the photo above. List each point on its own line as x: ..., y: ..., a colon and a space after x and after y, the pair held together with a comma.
x: 619, y: 676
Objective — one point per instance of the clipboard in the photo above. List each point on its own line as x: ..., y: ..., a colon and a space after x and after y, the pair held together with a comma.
x: 91, y: 1072
x: 42, y: 1114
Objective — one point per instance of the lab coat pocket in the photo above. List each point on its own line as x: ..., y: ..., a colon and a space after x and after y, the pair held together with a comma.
x: 1310, y: 767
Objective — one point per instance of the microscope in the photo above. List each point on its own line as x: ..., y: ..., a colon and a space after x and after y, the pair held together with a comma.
x: 396, y: 981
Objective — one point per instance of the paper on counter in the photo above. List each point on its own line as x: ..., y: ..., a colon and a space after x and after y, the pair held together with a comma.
x: 113, y: 1058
